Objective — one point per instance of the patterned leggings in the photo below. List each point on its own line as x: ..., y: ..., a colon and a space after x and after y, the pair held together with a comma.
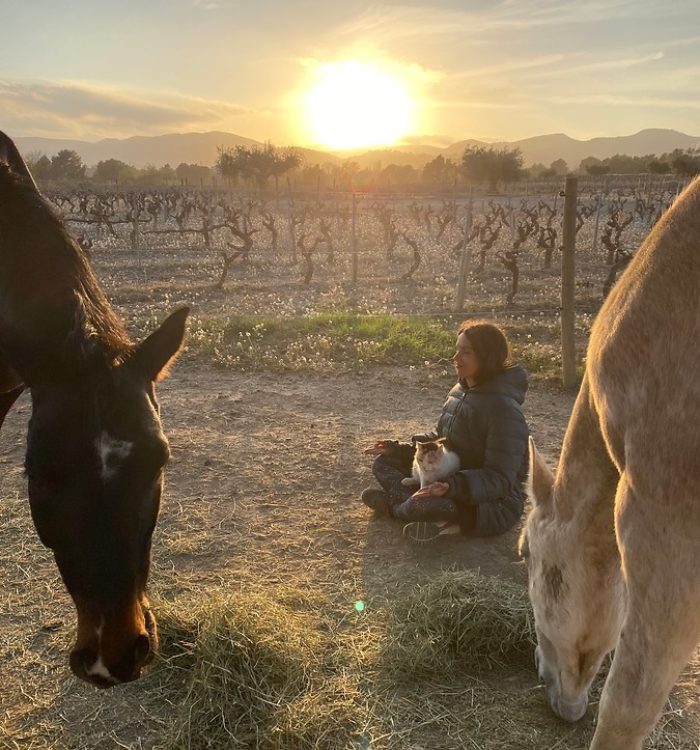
x: 394, y: 466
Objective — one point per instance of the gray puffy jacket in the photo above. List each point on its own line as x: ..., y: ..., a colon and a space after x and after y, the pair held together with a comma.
x: 486, y: 427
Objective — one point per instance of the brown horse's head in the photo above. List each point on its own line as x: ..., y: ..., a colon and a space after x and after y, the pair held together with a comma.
x: 95, y: 459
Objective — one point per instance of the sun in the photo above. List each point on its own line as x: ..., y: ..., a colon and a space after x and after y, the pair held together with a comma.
x: 355, y: 104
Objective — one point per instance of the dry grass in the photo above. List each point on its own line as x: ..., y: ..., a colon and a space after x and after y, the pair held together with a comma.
x: 460, y: 620
x: 264, y: 670
x: 252, y: 670
x: 254, y: 591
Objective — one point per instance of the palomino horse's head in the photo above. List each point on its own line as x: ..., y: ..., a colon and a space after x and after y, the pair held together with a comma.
x: 95, y: 459
x: 575, y: 598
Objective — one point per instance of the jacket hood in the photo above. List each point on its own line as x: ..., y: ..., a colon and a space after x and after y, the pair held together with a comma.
x: 511, y: 382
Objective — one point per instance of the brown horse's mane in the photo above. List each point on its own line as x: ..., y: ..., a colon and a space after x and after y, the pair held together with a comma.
x: 96, y: 321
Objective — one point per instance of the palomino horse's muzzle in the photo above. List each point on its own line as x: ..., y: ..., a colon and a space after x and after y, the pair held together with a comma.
x: 112, y: 658
x: 566, y: 709
x: 571, y: 712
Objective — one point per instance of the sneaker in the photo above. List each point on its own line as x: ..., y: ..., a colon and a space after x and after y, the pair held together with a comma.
x: 423, y: 532
x: 378, y: 500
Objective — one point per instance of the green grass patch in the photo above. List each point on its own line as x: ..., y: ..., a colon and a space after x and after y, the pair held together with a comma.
x: 331, y: 342
x: 349, y: 342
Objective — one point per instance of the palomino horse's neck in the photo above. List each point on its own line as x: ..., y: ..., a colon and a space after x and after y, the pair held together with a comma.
x: 584, y: 489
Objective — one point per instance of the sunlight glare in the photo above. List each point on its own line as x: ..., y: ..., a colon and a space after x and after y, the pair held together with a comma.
x: 354, y: 104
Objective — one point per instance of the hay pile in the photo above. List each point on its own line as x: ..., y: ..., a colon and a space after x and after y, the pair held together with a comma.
x: 461, y: 622
x: 281, y: 670
x: 247, y: 671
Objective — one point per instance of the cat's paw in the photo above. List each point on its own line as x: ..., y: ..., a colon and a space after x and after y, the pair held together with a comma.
x: 409, y: 482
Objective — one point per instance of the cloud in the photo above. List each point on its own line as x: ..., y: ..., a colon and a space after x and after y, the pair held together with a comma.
x: 597, y: 66
x: 620, y: 101
x: 508, y: 67
x: 85, y: 110
x: 410, y: 72
x: 386, y: 23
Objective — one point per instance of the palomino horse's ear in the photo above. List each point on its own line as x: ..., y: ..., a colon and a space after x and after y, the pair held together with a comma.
x: 540, y: 480
x: 11, y: 156
x: 155, y: 354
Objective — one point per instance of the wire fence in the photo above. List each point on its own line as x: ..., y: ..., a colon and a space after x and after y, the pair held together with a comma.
x: 370, y: 251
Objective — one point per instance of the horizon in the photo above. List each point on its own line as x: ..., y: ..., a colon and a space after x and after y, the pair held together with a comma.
x: 419, y: 143
x: 363, y: 76
x: 201, y: 148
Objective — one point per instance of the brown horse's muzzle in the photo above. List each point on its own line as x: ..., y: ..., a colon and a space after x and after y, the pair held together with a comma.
x: 114, y: 649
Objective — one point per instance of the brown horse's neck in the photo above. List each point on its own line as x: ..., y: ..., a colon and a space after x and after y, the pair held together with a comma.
x: 584, y: 489
x: 54, y: 315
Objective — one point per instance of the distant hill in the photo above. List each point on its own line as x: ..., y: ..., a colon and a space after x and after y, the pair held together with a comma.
x: 547, y: 148
x: 173, y: 149
x: 201, y: 148
x: 383, y: 157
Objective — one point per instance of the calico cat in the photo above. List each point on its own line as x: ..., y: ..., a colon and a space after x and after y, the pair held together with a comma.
x: 433, y: 462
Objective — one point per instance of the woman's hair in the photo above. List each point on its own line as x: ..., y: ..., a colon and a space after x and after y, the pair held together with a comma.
x: 490, y: 346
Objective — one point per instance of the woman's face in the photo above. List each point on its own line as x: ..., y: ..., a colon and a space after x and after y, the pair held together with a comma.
x: 465, y: 359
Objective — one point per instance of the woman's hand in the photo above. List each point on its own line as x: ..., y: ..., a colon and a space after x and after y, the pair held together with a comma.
x: 436, y: 489
x: 379, y: 448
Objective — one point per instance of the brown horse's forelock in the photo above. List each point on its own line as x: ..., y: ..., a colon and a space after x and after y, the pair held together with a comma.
x: 99, y: 324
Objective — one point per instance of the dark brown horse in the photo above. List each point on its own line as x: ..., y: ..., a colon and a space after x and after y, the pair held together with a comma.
x: 95, y: 447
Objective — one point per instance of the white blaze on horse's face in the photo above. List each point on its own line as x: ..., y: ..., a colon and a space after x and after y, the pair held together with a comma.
x: 98, y: 669
x: 112, y: 452
x: 577, y: 620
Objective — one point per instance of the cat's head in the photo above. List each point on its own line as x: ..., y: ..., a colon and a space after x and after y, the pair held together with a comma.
x: 431, y: 451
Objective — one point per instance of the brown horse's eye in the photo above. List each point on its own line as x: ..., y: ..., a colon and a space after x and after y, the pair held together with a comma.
x: 41, y: 486
x: 44, y: 512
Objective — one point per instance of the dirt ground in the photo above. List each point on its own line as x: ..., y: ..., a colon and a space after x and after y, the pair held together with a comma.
x: 263, y: 489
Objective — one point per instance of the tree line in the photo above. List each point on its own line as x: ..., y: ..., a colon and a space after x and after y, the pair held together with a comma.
x: 258, y: 167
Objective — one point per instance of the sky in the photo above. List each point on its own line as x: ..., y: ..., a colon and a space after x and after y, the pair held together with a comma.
x: 504, y: 69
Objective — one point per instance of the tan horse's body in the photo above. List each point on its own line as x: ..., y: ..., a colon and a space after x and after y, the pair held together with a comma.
x: 613, y: 541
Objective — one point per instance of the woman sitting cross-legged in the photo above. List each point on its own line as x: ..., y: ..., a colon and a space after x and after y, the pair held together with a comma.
x: 483, y: 423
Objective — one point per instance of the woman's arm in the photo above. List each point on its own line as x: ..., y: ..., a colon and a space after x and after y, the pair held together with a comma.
x: 506, y: 444
x: 425, y: 438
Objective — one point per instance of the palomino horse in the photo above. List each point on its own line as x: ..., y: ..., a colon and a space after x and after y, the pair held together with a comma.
x: 95, y: 447
x: 612, y: 543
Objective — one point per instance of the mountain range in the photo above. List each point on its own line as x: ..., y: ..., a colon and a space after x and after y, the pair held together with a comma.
x: 201, y: 148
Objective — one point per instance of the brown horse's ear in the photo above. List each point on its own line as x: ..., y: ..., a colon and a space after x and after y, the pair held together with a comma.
x: 11, y: 156
x: 155, y: 354
x: 540, y: 480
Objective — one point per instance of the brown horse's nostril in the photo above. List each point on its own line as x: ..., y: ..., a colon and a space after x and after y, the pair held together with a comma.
x: 79, y: 661
x: 143, y: 653
x: 152, y: 631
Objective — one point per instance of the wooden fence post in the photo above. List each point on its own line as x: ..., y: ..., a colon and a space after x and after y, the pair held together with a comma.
x: 568, y: 275
x: 597, y: 222
x: 292, y: 233
x: 465, y: 260
x: 354, y: 238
